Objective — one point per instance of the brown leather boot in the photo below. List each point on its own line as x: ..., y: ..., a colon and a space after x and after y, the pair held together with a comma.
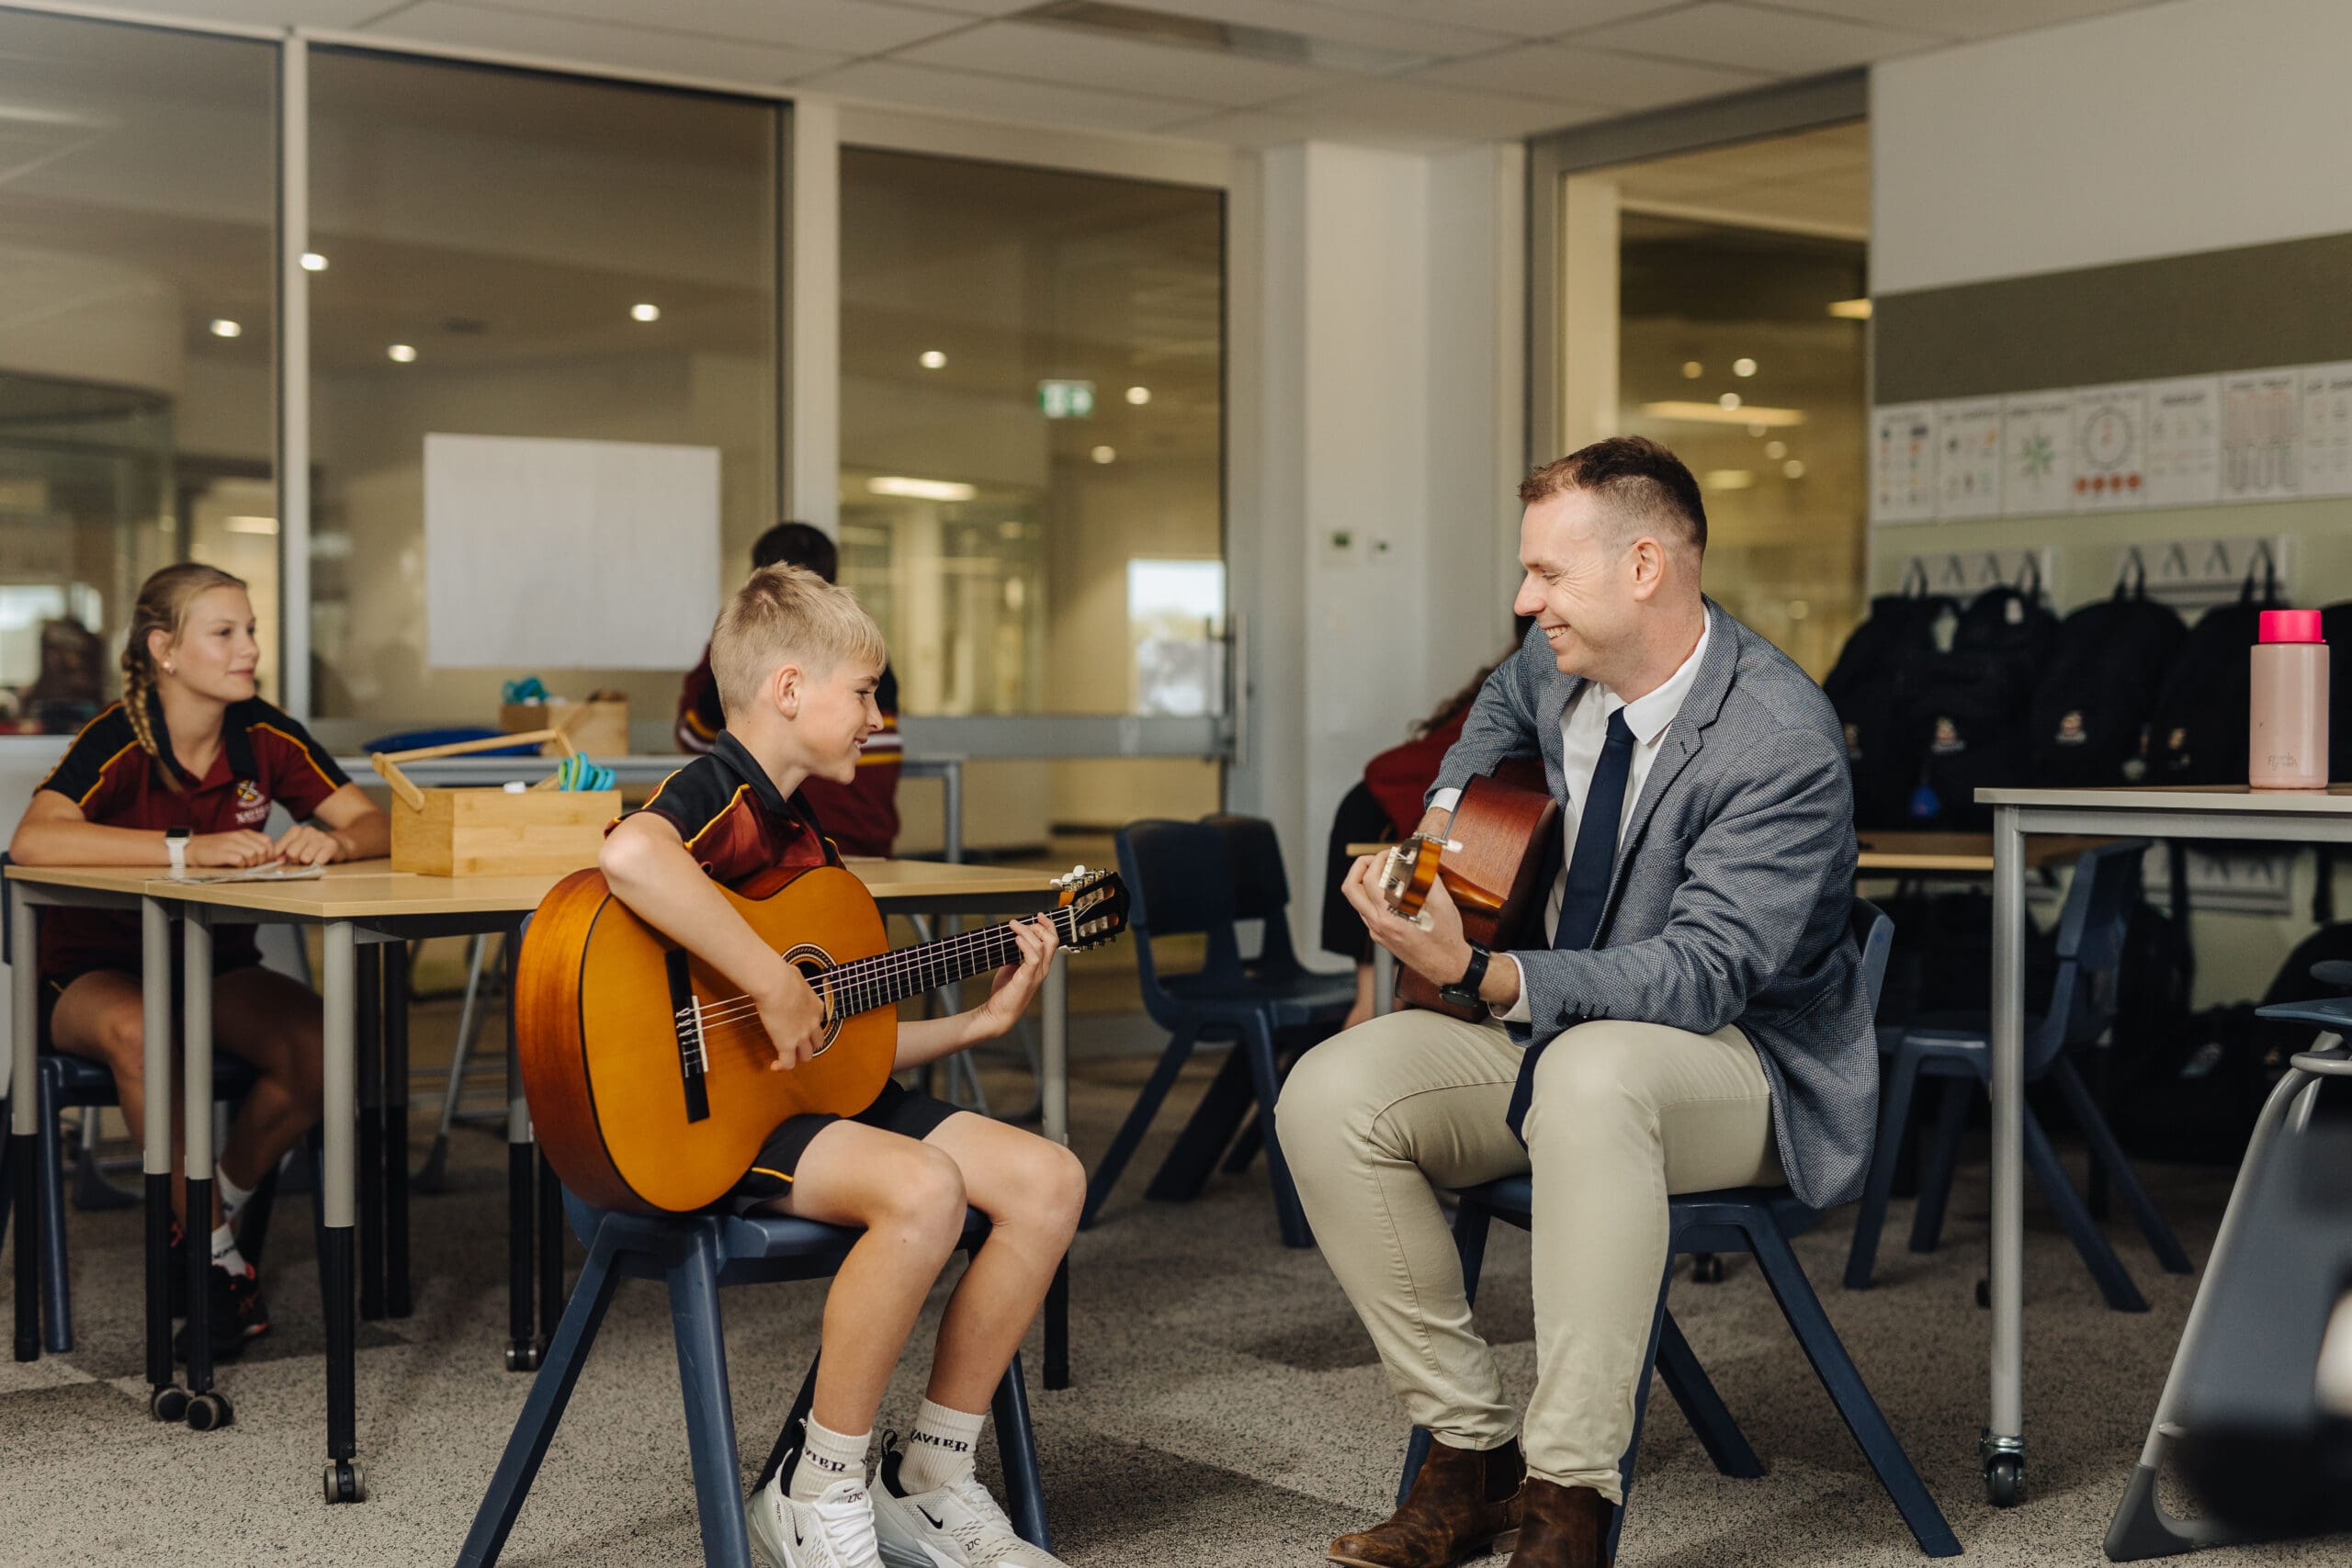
x: 1462, y: 1502
x: 1566, y: 1526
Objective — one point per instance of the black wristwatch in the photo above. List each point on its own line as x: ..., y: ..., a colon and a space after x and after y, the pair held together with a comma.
x: 1463, y: 993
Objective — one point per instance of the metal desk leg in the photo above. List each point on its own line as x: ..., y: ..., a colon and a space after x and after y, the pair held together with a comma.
x: 166, y: 1400
x: 1053, y: 1095
x: 2002, y: 1446
x: 395, y: 1166
x: 2140, y: 1527
x: 552, y: 1294
x: 1383, y: 981
x: 206, y: 1408
x: 522, y: 1349
x: 343, y: 1480
x: 24, y: 1120
x: 371, y: 1131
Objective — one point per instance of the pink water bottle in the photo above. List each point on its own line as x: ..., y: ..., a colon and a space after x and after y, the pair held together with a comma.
x: 2287, y: 740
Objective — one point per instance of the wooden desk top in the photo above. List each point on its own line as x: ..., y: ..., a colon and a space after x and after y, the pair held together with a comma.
x: 372, y: 890
x: 1962, y: 853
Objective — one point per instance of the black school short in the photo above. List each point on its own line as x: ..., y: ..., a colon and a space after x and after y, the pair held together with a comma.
x: 897, y: 1109
x: 52, y: 990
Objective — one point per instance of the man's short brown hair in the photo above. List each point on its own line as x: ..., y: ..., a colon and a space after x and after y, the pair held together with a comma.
x: 1646, y: 487
x: 787, y: 613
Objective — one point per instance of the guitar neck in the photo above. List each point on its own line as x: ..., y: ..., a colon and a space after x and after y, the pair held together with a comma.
x: 888, y: 978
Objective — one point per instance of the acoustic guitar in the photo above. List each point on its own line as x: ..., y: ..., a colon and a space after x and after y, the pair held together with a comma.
x: 1491, y: 859
x: 650, y: 1077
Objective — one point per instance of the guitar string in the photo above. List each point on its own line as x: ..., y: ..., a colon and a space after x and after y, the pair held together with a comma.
x: 727, y: 1017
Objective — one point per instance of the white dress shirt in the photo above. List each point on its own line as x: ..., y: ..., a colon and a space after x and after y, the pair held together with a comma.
x: 1584, y: 726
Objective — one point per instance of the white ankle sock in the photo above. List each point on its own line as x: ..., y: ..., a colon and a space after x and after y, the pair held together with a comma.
x: 826, y: 1456
x: 940, y: 1448
x: 224, y: 1251
x: 232, y: 1197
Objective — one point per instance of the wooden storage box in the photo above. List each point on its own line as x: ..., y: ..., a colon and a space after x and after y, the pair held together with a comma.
x: 598, y: 726
x: 493, y: 832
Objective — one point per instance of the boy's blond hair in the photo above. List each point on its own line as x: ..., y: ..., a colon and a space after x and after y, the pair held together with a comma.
x: 786, y: 615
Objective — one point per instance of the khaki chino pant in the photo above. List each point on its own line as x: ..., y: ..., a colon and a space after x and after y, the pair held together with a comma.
x: 1374, y: 1122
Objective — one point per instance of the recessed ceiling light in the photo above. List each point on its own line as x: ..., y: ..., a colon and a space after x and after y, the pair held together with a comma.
x: 1728, y: 400
x: 224, y: 327
x: 1104, y: 454
x: 1692, y: 370
x: 1711, y: 413
x: 1776, y: 450
x: 1758, y: 429
x: 401, y: 353
x: 1743, y: 367
x: 253, y: 525
x: 1138, y: 395
x: 930, y: 359
x: 645, y: 312
x: 1850, y: 309
x: 920, y: 490
x: 313, y: 262
x: 1793, y: 469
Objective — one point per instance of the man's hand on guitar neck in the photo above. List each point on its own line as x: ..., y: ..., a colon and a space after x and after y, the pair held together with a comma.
x: 1441, y: 953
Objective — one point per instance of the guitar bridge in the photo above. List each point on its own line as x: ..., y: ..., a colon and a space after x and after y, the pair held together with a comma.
x: 685, y: 1013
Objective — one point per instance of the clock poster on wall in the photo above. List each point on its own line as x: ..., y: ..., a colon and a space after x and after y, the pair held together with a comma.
x: 2110, y: 447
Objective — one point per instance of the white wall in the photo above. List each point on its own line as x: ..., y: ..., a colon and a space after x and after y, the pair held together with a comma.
x: 1384, y: 354
x: 2199, y: 125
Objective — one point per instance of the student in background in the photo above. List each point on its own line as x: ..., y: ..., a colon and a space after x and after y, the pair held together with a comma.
x: 183, y: 771
x: 863, y: 817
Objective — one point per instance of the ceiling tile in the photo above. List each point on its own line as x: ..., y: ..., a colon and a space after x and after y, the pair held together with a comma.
x: 563, y: 38
x: 1065, y: 54
x: 838, y: 27
x: 1749, y: 38
x: 1977, y: 19
x: 998, y: 98
x: 1364, y: 110
x: 261, y: 12
x: 1443, y: 34
x: 1526, y: 18
x: 1588, y: 75
x: 982, y: 7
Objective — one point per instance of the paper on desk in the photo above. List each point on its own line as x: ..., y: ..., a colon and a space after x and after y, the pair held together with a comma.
x: 277, y: 872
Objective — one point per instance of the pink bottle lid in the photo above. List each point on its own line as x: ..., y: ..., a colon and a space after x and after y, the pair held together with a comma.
x: 2291, y: 625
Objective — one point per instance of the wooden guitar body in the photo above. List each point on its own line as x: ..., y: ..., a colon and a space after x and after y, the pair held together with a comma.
x: 602, y: 1062
x: 1491, y: 861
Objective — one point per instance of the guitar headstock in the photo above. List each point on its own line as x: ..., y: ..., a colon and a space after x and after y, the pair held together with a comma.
x: 1097, y: 906
x: 1406, y: 880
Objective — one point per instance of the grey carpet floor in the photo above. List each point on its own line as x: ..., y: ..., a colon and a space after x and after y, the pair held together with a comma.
x: 1228, y: 1408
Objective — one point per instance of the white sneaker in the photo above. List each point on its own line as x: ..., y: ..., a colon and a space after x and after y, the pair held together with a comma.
x: 955, y: 1526
x: 834, y: 1531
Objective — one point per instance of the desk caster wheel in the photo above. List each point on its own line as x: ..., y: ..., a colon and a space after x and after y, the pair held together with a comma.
x: 2005, y: 1479
x: 1707, y: 1269
x: 207, y: 1412
x: 168, y: 1403
x: 346, y: 1483
x: 522, y: 1358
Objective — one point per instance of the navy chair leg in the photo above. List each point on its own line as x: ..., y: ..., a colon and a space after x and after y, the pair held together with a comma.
x: 56, y: 1284
x: 710, y: 1415
x: 1224, y: 1106
x: 1247, y: 1145
x: 1692, y: 1390
x: 2099, y: 1256
x: 2107, y: 1154
x: 1258, y: 1041
x: 1123, y: 1147
x: 550, y: 1392
x: 1848, y: 1391
x: 1942, y: 1163
x: 1016, y: 1447
x: 1893, y: 1111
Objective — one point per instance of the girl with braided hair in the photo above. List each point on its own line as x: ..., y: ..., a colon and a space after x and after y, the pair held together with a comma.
x: 183, y: 771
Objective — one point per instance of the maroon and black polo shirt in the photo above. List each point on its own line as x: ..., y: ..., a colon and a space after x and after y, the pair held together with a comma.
x: 734, y: 820
x: 265, y: 757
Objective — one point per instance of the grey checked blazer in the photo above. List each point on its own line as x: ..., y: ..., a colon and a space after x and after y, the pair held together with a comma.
x: 1729, y: 903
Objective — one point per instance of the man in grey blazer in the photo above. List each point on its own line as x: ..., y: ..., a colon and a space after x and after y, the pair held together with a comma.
x: 1690, y: 1016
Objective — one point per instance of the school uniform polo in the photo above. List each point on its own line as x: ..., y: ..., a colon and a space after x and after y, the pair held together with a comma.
x: 265, y: 758
x: 739, y: 827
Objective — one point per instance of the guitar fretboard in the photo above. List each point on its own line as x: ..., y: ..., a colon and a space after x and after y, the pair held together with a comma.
x: 888, y: 978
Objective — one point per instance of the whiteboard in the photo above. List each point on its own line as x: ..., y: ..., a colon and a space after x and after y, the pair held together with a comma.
x: 569, y: 554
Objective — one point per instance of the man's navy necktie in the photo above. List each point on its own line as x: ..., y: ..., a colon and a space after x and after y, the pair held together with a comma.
x: 1589, y: 869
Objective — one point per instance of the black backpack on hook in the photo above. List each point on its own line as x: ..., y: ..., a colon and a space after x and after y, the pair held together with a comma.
x: 2197, y: 728
x: 2089, y: 712
x: 1968, y: 707
x: 1869, y: 686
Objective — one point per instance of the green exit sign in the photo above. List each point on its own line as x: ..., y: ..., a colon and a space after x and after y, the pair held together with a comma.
x: 1066, y: 400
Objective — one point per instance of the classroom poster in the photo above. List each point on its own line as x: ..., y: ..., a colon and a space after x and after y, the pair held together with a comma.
x: 1967, y: 460
x: 1903, y: 464
x: 2110, y: 447
x: 2326, y: 454
x: 2261, y: 435
x: 2184, y: 441
x: 2037, y: 454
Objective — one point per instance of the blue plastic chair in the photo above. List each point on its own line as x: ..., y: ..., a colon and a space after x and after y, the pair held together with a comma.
x: 696, y: 1255
x: 1181, y: 881
x: 1756, y: 1220
x: 1957, y: 1049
